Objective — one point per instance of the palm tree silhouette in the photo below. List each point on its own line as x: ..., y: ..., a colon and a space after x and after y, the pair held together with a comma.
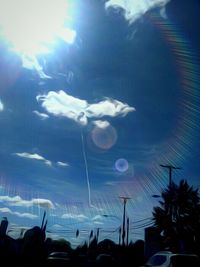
x: 178, y: 217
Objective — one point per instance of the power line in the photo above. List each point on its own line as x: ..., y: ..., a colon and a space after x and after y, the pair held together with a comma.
x: 117, y: 229
x: 142, y: 226
x: 149, y: 218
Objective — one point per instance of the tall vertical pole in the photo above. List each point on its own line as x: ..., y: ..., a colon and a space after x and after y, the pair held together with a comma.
x: 124, y: 220
x: 170, y: 167
x: 123, y: 226
x: 120, y: 232
x: 127, y: 231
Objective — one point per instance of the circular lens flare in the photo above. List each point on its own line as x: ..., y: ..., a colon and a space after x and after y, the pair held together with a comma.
x: 121, y: 165
x: 104, y: 138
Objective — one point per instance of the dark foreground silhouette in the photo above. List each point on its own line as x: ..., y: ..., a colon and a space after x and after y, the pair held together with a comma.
x: 34, y: 249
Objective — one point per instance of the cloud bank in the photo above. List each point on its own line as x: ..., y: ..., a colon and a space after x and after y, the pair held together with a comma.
x: 78, y: 217
x: 19, y: 202
x: 22, y: 215
x: 63, y: 105
x: 134, y: 9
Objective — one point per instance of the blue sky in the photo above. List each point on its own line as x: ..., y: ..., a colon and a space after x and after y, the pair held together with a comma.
x: 91, y: 102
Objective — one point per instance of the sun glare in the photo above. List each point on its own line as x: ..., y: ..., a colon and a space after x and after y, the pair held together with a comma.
x: 32, y: 27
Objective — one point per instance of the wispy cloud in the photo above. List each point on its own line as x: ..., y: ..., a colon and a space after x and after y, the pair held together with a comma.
x: 18, y: 201
x: 78, y: 217
x: 38, y: 157
x: 62, y: 164
x: 63, y: 105
x: 22, y: 215
x: 42, y: 116
x: 1, y: 106
x: 134, y: 9
x: 34, y: 157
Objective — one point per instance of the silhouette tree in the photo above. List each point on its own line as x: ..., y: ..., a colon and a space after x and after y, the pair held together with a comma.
x: 178, y: 217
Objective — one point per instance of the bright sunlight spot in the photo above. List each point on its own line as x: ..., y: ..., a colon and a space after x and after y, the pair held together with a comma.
x: 32, y: 27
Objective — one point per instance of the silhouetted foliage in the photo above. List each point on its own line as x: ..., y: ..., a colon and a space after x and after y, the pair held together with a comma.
x: 34, y: 249
x: 178, y: 217
x: 33, y: 246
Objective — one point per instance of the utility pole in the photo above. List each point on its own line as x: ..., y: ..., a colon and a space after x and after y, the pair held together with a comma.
x: 120, y: 232
x: 124, y: 217
x: 127, y: 236
x: 170, y: 168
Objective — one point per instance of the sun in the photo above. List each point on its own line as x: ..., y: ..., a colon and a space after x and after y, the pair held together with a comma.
x: 32, y: 27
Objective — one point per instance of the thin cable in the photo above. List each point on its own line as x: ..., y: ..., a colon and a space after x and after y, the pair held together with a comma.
x: 142, y: 226
x: 149, y: 218
x: 117, y: 229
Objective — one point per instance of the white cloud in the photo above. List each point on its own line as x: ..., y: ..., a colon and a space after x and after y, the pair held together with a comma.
x: 25, y: 215
x: 10, y: 199
x: 78, y: 217
x: 42, y: 116
x: 40, y: 158
x: 108, y: 107
x: 62, y: 164
x: 1, y: 106
x: 57, y: 226
x: 31, y: 63
x: 22, y: 215
x: 33, y: 156
x: 44, y: 203
x: 5, y: 210
x: 97, y: 217
x: 18, y: 201
x: 64, y: 105
x: 134, y: 9
x: 101, y: 124
x: 163, y: 12
x: 97, y: 222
